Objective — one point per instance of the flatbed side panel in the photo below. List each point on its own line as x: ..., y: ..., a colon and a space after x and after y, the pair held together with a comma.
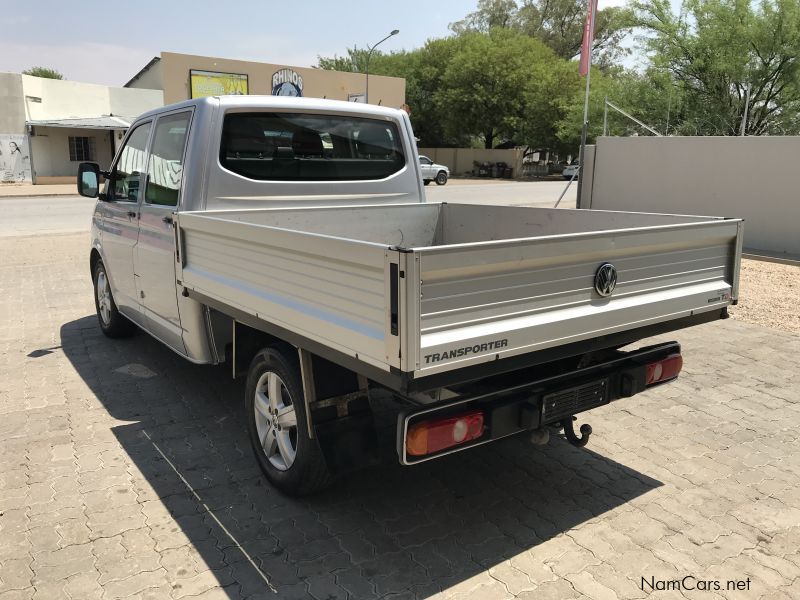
x: 405, y: 225
x: 329, y: 290
x: 480, y: 222
x: 483, y: 302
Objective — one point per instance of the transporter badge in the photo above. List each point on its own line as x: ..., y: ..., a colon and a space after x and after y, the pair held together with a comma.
x: 605, y: 280
x: 465, y: 351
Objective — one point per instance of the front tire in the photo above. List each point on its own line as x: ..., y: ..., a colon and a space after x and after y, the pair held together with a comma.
x: 112, y: 323
x: 426, y: 182
x: 441, y: 178
x: 276, y: 420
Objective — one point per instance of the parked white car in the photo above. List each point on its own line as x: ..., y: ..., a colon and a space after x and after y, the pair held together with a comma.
x: 432, y: 171
x: 571, y: 171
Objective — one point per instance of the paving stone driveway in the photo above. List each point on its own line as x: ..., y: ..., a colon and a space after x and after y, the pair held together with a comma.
x: 100, y: 442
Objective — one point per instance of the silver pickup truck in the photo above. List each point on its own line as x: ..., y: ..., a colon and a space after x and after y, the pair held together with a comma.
x: 291, y: 239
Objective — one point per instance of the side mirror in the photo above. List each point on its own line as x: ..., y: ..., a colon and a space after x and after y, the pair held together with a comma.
x: 89, y: 179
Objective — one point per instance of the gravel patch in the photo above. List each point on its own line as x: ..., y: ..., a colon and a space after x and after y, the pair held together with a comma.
x: 769, y: 295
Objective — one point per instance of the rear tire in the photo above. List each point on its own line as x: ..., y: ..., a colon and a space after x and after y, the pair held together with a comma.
x: 276, y: 422
x: 441, y: 178
x: 112, y: 323
x: 426, y: 181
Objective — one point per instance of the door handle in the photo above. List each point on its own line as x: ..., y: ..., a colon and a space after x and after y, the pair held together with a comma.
x: 132, y: 214
x: 167, y: 220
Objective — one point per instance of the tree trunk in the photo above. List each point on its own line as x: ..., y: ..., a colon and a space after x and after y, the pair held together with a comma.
x: 488, y: 139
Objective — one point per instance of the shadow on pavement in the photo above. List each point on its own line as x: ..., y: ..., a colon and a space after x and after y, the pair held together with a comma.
x: 390, y: 531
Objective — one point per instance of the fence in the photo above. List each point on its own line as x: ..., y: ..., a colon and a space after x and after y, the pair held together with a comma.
x: 460, y: 160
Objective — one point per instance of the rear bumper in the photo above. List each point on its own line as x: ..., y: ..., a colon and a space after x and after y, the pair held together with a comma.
x: 541, y: 401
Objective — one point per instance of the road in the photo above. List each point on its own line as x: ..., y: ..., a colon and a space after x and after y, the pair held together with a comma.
x: 44, y: 214
x: 63, y: 214
x: 518, y: 193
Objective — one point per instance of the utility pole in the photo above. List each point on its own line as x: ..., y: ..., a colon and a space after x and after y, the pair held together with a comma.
x: 746, y: 106
x: 587, y: 48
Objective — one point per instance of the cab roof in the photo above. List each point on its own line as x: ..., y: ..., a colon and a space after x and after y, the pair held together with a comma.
x: 281, y: 103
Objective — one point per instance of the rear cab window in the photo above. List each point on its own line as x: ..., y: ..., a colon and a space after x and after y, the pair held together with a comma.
x: 273, y: 146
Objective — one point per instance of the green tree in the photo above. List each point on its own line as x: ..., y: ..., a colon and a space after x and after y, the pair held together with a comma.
x: 499, y: 86
x: 355, y: 61
x: 422, y: 69
x: 489, y: 14
x: 478, y: 88
x: 718, y: 49
x: 653, y: 97
x: 557, y: 23
x: 45, y: 72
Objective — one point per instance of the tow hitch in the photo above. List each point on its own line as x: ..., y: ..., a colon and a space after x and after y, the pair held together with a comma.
x: 569, y: 432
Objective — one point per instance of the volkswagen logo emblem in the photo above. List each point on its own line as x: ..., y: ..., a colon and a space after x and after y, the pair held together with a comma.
x: 605, y: 280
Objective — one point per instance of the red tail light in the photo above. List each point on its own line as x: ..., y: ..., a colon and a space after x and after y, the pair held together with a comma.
x: 667, y: 368
x: 427, y: 437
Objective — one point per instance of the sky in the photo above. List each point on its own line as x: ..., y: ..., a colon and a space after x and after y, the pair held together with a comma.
x: 109, y: 42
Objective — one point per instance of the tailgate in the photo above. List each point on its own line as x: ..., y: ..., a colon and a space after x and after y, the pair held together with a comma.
x: 480, y: 302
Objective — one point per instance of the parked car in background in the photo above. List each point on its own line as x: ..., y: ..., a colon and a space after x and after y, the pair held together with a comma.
x: 432, y: 171
x: 571, y: 171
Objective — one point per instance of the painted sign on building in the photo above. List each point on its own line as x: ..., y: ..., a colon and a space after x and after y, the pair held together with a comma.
x: 15, y: 159
x: 287, y: 82
x: 209, y: 83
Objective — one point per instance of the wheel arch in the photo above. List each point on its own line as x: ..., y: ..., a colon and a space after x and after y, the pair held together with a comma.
x: 94, y: 257
x: 249, y: 341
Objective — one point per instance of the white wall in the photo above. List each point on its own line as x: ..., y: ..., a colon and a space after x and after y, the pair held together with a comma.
x: 150, y: 79
x: 50, y: 148
x: 755, y: 178
x: 51, y: 99
x: 129, y: 102
x: 12, y: 109
x: 71, y: 99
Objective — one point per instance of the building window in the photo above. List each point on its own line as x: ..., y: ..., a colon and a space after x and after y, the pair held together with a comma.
x: 81, y: 148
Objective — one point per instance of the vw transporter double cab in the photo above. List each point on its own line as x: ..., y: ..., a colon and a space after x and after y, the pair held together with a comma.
x: 291, y: 239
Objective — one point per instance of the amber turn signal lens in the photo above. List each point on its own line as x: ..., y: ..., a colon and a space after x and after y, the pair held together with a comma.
x: 427, y: 437
x: 667, y: 368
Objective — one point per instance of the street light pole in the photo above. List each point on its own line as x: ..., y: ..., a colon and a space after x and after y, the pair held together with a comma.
x: 746, y: 106
x: 584, y: 130
x: 369, y: 55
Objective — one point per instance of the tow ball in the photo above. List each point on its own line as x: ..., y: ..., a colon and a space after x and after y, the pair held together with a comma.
x: 569, y: 432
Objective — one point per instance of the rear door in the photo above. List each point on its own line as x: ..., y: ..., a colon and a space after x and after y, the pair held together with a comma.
x: 120, y: 224
x: 154, y: 260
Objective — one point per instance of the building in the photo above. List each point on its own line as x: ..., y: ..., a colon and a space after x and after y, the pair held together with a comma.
x: 48, y: 126
x: 184, y: 76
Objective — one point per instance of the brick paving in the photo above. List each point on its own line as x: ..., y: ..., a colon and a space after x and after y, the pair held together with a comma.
x: 101, y: 439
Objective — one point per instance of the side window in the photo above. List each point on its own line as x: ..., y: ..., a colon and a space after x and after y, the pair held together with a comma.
x: 165, y: 168
x: 128, y: 170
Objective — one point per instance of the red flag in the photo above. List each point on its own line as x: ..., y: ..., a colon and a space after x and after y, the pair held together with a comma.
x: 588, y: 36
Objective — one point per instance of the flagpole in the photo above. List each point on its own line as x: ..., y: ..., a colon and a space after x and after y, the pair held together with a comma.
x: 592, y: 7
